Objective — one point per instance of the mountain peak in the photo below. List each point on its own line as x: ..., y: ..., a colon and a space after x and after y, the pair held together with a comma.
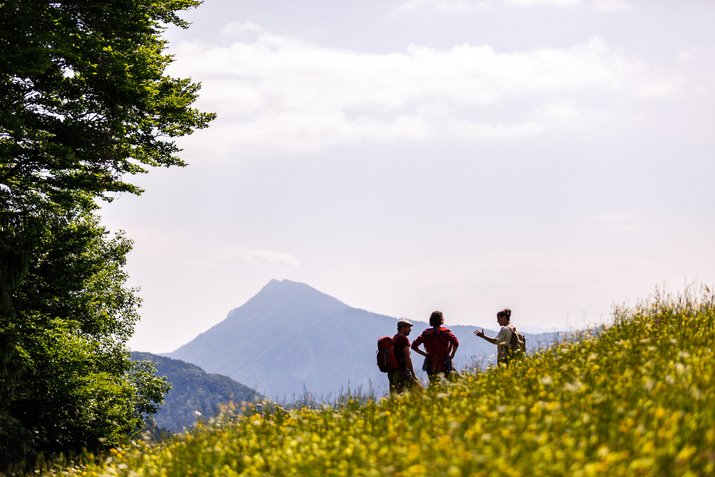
x: 294, y: 295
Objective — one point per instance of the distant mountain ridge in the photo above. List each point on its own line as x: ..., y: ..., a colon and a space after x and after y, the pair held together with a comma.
x: 290, y: 339
x: 194, y: 393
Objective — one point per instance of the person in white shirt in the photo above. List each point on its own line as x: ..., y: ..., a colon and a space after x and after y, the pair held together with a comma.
x: 503, y: 338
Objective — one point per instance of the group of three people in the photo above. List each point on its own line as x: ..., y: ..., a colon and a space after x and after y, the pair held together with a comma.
x: 440, y: 347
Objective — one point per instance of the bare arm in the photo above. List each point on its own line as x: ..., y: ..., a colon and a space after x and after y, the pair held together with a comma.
x: 454, y: 345
x: 408, y: 360
x: 482, y: 335
x: 416, y: 348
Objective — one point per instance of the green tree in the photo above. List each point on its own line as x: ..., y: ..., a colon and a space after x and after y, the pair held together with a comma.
x: 74, y: 314
x: 84, y: 105
x: 85, y: 101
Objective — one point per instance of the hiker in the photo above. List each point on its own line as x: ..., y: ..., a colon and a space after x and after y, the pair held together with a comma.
x: 404, y: 377
x: 440, y: 345
x: 506, y: 346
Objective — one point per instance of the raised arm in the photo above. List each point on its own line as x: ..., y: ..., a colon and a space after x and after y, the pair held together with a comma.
x: 481, y: 334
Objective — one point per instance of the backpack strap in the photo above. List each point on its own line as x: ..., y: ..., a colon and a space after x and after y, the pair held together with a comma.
x: 438, y: 332
x: 513, y: 336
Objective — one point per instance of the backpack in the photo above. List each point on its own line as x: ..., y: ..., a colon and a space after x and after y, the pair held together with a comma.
x: 517, y: 345
x: 386, y: 359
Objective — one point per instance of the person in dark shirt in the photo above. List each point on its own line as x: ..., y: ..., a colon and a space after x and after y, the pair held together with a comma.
x: 440, y: 346
x: 403, y: 378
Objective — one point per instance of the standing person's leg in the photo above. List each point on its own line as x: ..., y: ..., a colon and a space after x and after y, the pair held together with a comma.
x: 434, y: 377
x: 398, y: 381
x: 392, y: 378
x: 452, y: 375
x: 404, y: 381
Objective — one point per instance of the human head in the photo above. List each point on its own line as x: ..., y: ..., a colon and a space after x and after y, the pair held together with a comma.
x: 404, y: 327
x: 436, y: 318
x: 504, y: 316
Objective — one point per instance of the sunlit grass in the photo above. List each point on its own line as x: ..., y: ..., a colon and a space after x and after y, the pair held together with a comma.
x: 636, y: 398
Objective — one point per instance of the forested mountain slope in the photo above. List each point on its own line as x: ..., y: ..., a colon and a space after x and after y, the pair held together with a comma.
x: 194, y: 394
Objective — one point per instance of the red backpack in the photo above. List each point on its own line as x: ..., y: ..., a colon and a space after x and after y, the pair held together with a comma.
x: 386, y: 359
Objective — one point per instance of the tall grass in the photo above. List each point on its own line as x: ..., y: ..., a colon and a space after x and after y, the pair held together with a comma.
x: 636, y: 398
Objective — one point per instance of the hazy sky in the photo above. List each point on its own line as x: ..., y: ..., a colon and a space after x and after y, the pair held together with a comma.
x: 551, y: 156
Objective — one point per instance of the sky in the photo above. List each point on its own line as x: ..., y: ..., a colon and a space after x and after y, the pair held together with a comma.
x: 550, y: 156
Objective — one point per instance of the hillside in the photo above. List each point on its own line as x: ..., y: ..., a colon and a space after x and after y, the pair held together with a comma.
x: 291, y: 338
x: 194, y: 393
x: 638, y: 398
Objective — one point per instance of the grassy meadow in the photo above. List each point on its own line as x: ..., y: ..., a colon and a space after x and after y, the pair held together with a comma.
x: 634, y: 399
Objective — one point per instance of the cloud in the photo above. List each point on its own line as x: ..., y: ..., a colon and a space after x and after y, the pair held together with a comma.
x: 234, y: 29
x: 447, y: 6
x: 243, y: 254
x: 602, y: 5
x: 456, y: 6
x: 279, y: 94
x: 611, y: 5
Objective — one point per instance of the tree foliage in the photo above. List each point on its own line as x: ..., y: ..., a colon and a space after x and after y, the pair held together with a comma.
x: 74, y: 316
x: 85, y: 104
x: 85, y: 100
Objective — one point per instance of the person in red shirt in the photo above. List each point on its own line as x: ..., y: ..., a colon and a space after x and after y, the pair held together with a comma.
x: 440, y: 346
x: 403, y: 378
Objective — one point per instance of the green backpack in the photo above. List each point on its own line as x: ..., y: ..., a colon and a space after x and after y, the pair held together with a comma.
x: 517, y: 345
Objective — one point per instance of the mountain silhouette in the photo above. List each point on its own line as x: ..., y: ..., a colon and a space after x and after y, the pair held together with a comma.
x: 291, y: 339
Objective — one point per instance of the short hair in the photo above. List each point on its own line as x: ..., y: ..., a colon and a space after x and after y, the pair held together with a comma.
x: 436, y: 318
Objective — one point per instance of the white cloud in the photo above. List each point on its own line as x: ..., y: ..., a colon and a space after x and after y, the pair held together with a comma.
x: 611, y: 5
x: 244, y: 254
x: 687, y: 55
x: 276, y: 93
x: 531, y: 3
x: 447, y: 6
x: 602, y: 5
x: 456, y: 6
x: 485, y: 131
x: 566, y: 114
